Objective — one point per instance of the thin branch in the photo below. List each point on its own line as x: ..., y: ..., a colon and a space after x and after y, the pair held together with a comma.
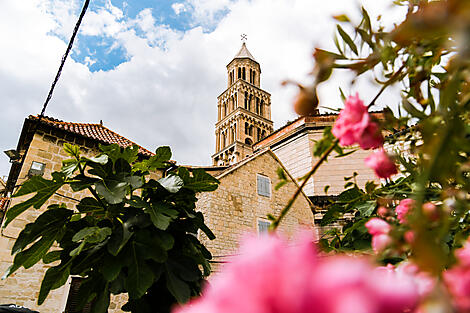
x: 286, y: 209
x: 389, y: 82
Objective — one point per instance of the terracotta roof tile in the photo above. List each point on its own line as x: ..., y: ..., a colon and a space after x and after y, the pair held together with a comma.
x: 3, y: 203
x: 92, y: 131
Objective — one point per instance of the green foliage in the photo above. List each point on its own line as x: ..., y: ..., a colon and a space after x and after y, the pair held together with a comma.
x: 425, y: 52
x: 132, y: 234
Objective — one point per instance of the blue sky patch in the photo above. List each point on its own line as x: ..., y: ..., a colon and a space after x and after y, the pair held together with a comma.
x: 105, y: 53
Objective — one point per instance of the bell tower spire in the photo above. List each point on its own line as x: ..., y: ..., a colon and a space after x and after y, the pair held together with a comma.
x: 244, y: 110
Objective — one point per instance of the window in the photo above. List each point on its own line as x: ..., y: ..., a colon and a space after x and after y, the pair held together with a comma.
x: 264, y: 185
x: 73, y: 298
x: 263, y: 226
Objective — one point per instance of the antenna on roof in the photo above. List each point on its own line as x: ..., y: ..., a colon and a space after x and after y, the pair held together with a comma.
x: 244, y: 37
x: 101, y: 122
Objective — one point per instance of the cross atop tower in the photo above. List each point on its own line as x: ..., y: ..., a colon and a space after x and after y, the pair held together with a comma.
x: 244, y: 110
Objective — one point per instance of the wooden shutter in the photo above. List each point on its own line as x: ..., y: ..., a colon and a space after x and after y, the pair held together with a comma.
x: 73, y: 298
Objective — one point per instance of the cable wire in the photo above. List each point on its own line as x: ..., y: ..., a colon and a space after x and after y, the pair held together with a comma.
x: 64, y: 57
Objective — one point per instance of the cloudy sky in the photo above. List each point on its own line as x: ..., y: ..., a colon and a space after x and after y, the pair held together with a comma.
x: 152, y: 69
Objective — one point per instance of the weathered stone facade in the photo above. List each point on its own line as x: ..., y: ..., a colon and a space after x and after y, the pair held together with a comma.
x: 235, y: 208
x: 22, y: 287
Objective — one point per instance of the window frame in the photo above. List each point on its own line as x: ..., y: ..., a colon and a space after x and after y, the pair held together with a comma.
x: 259, y: 190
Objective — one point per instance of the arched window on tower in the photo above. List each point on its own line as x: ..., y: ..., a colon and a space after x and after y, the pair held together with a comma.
x: 254, y: 77
x: 244, y: 74
x: 225, y: 108
x: 248, y: 141
x: 239, y: 73
x: 261, y: 108
x: 251, y: 75
x: 231, y: 78
x: 236, y: 102
x: 246, y: 101
x: 247, y: 129
x: 257, y: 106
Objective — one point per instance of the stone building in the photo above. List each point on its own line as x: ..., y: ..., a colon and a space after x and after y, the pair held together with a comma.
x: 244, y: 110
x: 293, y: 145
x: 247, y: 157
x: 41, y: 150
x: 246, y: 195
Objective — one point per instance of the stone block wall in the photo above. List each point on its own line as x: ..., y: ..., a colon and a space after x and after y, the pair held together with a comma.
x: 233, y: 210
x: 22, y: 288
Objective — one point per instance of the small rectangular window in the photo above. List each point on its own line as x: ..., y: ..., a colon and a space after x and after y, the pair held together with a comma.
x: 263, y: 185
x: 263, y: 226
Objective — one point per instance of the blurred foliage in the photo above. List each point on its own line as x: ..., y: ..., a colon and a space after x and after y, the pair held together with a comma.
x: 427, y: 55
x: 132, y: 234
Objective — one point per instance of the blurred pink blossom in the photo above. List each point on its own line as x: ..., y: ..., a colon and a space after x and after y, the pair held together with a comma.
x: 457, y: 279
x: 382, y: 211
x: 403, y: 208
x: 354, y: 125
x: 271, y: 275
x: 431, y: 211
x: 380, y: 242
x: 377, y: 226
x: 380, y: 162
x: 409, y: 236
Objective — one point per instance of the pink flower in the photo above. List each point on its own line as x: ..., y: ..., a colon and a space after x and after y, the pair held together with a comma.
x: 409, y: 236
x: 377, y: 226
x: 403, y: 209
x: 354, y: 125
x: 457, y: 279
x: 270, y: 275
x: 380, y: 242
x: 381, y: 163
x: 382, y: 211
x: 430, y: 210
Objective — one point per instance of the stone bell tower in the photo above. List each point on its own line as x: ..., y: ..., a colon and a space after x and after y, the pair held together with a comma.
x: 244, y: 110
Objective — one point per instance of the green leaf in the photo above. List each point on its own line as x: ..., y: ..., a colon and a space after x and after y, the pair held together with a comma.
x: 54, y: 278
x: 158, y: 161
x: 112, y: 269
x: 366, y: 208
x: 115, y: 152
x: 140, y: 276
x: 112, y: 189
x: 172, y: 183
x: 134, y: 181
x: 88, y: 205
x: 43, y: 188
x: 101, y: 302
x: 201, y: 181
x: 342, y: 18
x: 102, y: 159
x: 78, y: 249
x: 51, y: 220
x: 119, y: 238
x: 412, y: 110
x: 347, y: 39
x: 51, y: 257
x: 81, y: 182
x: 178, y: 288
x: 92, y: 234
x: 69, y: 167
x: 185, y: 268
x: 161, y: 215
x: 200, y: 223
x: 72, y: 150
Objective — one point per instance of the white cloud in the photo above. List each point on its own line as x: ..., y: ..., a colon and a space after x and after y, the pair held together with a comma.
x: 178, y: 8
x: 165, y: 94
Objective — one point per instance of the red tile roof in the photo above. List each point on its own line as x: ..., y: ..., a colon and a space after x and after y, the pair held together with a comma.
x: 92, y: 131
x: 3, y: 203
